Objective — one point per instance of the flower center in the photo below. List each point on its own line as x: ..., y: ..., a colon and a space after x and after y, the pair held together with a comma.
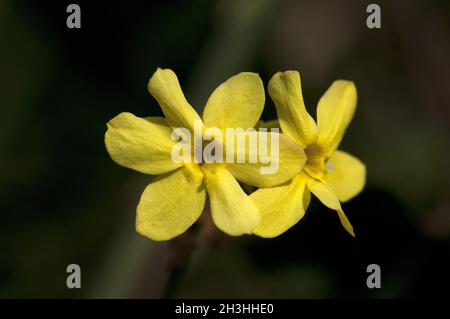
x: 316, y: 166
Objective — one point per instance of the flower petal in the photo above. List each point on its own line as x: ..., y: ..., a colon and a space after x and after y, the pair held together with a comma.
x: 267, y: 124
x: 165, y: 88
x: 334, y: 112
x: 140, y: 144
x: 346, y: 175
x: 171, y: 204
x: 324, y: 193
x: 238, y: 102
x: 281, y: 207
x: 279, y: 165
x: 232, y: 210
x: 286, y: 92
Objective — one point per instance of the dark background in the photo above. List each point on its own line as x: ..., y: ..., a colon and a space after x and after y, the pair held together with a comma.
x: 63, y: 200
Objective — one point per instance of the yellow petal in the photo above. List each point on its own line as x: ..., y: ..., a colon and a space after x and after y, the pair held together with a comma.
x: 140, y: 144
x: 232, y: 210
x: 281, y: 207
x: 324, y: 193
x: 279, y: 165
x: 165, y: 88
x: 171, y: 204
x: 238, y: 102
x: 346, y: 175
x: 286, y: 92
x: 267, y: 124
x: 334, y: 113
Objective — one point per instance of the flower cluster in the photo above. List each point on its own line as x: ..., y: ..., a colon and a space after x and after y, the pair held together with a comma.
x: 307, y: 156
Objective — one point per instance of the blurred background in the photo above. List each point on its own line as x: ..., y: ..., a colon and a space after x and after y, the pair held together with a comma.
x: 64, y: 201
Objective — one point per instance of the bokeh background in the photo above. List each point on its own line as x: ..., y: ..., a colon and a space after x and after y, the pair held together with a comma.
x: 63, y: 200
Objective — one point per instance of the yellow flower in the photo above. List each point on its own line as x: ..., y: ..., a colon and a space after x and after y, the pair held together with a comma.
x: 176, y: 198
x: 333, y: 176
